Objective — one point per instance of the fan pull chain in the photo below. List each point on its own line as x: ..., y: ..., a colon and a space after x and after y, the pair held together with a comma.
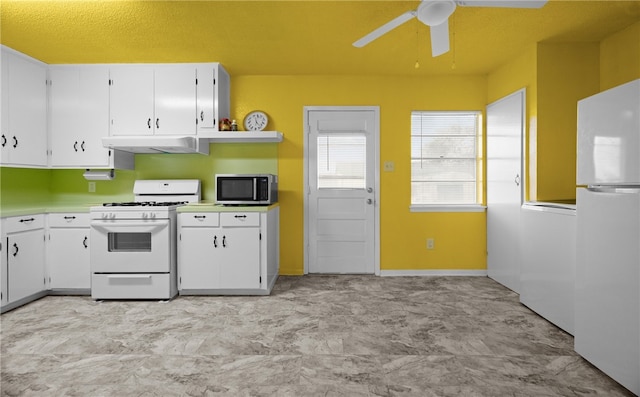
x: 417, y: 65
x: 453, y: 42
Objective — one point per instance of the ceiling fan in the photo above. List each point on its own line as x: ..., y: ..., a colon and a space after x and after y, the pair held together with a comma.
x: 436, y: 13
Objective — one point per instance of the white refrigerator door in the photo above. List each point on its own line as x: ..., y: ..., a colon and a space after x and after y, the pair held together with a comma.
x: 607, y: 313
x: 609, y: 137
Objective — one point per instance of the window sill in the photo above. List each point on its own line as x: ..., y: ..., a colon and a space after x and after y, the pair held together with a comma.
x: 448, y: 208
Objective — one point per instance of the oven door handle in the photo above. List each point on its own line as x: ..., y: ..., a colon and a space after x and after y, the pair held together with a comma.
x: 110, y: 226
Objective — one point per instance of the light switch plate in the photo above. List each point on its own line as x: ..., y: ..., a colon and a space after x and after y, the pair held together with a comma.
x: 389, y: 166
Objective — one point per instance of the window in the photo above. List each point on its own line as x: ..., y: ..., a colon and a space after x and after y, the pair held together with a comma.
x: 342, y: 161
x: 445, y: 165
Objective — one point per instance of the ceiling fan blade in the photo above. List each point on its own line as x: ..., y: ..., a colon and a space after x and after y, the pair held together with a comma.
x: 502, y: 3
x: 440, y: 38
x: 394, y: 23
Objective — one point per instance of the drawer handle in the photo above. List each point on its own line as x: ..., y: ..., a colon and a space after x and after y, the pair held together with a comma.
x: 27, y: 220
x: 130, y: 276
x: 69, y: 217
x: 15, y: 247
x: 240, y: 216
x: 199, y: 216
x: 84, y: 242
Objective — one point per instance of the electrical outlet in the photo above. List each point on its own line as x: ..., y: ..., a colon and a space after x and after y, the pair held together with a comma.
x: 92, y: 187
x: 430, y: 244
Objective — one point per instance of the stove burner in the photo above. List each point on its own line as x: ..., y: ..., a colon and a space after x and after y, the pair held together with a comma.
x: 145, y: 204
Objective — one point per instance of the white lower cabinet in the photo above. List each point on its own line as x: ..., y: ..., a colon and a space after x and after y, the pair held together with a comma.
x: 25, y: 263
x: 228, y: 252
x: 3, y: 269
x: 68, y: 252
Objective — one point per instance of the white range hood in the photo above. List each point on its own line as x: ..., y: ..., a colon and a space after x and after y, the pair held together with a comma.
x: 157, y: 144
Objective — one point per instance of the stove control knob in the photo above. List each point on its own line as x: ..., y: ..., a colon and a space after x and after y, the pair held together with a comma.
x: 145, y: 215
x: 152, y: 215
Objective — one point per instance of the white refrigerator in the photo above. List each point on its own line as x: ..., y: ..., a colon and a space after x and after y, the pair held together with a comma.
x: 607, y: 300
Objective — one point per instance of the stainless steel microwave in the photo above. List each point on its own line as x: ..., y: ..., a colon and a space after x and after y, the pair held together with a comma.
x: 253, y: 189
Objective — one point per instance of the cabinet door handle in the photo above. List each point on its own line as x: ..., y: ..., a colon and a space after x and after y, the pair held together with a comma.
x: 157, y: 123
x: 27, y: 220
x: 201, y: 116
x: 84, y: 242
x: 224, y: 241
x: 15, y: 247
x: 15, y: 142
x: 82, y: 146
x: 517, y: 180
x: 149, y: 123
x: 215, y: 241
x: 69, y: 217
x: 4, y: 140
x: 75, y: 146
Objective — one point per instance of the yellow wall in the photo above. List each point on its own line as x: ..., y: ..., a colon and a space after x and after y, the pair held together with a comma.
x: 567, y: 72
x: 459, y: 238
x: 620, y: 57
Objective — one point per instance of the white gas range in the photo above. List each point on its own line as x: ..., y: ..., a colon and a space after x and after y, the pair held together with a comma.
x: 133, y: 244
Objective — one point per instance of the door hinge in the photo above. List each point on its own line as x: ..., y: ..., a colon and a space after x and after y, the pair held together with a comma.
x: 260, y: 236
x: 196, y: 81
x: 110, y: 82
x: 109, y: 153
x: 260, y: 279
x: 179, y: 236
x: 214, y: 81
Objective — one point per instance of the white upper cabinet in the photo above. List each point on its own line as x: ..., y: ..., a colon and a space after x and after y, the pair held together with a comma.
x: 79, y: 116
x: 175, y: 99
x: 213, y: 97
x: 23, y: 138
x: 153, y: 100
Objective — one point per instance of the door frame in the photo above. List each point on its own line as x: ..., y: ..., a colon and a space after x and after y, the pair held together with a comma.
x: 306, y: 186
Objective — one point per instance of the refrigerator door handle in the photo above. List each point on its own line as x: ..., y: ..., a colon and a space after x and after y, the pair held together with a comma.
x: 617, y: 189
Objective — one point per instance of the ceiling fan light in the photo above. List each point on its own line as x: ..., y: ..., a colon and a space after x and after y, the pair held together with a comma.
x: 435, y: 12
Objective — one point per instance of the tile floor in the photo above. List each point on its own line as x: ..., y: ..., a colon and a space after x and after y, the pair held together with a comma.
x: 314, y: 336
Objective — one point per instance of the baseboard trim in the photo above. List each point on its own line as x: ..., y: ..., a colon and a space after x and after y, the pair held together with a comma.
x: 444, y: 272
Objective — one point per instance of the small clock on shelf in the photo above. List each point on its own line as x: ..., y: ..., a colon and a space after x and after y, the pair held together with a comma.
x: 255, y: 121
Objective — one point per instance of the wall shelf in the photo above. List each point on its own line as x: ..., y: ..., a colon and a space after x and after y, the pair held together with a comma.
x: 246, y: 136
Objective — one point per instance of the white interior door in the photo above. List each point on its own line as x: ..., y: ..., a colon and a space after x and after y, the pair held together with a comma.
x: 341, y: 217
x: 505, y: 128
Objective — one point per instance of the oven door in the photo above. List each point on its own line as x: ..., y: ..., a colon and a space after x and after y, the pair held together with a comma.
x: 130, y: 246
